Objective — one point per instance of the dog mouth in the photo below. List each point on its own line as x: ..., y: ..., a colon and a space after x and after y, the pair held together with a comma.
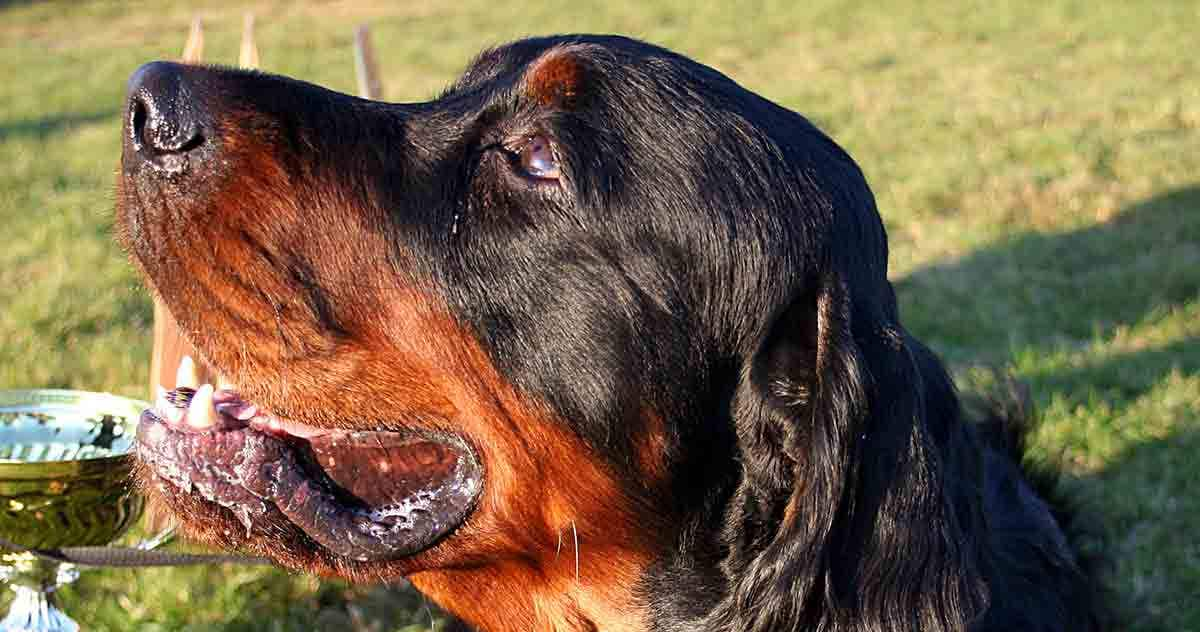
x: 364, y: 495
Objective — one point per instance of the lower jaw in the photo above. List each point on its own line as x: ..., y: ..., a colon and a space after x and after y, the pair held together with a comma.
x: 262, y: 477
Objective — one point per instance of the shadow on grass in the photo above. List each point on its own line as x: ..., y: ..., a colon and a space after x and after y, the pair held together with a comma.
x: 1139, y: 514
x: 1052, y: 288
x: 1140, y: 508
x: 46, y: 126
x: 340, y: 606
x: 1121, y: 378
x: 1074, y: 290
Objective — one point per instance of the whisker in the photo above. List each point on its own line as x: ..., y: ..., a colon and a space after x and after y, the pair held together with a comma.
x: 575, y: 534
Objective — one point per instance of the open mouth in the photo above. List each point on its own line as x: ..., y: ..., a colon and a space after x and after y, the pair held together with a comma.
x: 362, y: 494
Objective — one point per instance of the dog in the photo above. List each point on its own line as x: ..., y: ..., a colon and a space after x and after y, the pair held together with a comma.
x: 597, y: 339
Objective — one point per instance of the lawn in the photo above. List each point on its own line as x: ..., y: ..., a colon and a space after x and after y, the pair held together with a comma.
x: 1038, y: 168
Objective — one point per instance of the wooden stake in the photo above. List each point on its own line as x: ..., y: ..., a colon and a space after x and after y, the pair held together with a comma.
x: 248, y: 57
x: 364, y: 65
x: 193, y: 51
x: 169, y: 348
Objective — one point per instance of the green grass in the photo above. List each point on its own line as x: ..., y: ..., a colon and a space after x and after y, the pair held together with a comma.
x: 1038, y: 167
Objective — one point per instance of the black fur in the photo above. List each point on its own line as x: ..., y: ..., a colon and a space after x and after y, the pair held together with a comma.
x: 720, y: 258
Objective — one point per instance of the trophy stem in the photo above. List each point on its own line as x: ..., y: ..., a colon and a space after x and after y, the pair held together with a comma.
x: 35, y: 607
x: 35, y: 610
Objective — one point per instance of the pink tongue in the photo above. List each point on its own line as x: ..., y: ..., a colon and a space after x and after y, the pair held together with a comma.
x: 384, y: 468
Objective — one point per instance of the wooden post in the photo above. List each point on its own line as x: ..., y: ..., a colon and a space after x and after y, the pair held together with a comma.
x: 193, y: 50
x: 369, y: 86
x: 248, y: 56
x: 169, y: 348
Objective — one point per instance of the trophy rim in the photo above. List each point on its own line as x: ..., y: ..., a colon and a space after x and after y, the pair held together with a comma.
x: 128, y: 409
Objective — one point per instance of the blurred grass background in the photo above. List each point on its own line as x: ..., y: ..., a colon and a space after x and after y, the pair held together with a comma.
x: 1037, y: 165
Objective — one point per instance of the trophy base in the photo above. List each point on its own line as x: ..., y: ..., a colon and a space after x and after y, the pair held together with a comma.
x: 34, y: 580
x: 33, y: 610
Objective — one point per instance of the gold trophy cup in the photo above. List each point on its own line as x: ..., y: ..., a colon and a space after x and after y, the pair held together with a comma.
x: 65, y: 481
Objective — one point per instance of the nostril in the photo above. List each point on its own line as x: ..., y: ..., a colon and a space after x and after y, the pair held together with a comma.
x: 190, y: 139
x: 137, y: 123
x: 171, y: 136
x: 195, y: 140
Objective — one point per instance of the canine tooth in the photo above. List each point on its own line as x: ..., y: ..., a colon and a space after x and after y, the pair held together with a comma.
x: 186, y: 374
x: 200, y: 412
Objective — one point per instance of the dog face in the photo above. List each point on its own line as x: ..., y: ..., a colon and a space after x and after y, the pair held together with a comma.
x: 506, y: 315
x: 594, y: 320
x: 460, y: 331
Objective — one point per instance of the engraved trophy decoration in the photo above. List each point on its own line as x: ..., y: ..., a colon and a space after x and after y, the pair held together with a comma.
x: 64, y: 482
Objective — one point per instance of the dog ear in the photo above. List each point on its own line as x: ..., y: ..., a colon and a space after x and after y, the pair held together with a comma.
x: 847, y: 515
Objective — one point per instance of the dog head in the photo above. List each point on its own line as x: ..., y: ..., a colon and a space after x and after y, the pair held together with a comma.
x: 593, y: 318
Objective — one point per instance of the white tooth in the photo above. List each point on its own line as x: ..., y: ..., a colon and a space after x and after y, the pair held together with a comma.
x: 224, y: 384
x: 200, y: 412
x: 186, y: 375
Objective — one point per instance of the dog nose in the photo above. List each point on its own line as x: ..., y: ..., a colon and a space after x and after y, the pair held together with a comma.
x: 165, y: 123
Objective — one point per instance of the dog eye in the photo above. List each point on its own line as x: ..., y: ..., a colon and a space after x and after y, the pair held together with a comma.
x: 537, y: 158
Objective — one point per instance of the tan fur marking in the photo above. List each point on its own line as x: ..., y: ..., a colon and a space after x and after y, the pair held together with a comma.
x: 558, y: 78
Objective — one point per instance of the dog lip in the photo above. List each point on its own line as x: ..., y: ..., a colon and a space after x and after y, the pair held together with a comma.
x: 287, y: 427
x: 363, y: 495
x: 230, y: 410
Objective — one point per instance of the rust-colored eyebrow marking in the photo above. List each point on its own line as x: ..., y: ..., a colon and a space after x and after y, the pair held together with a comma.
x: 559, y: 78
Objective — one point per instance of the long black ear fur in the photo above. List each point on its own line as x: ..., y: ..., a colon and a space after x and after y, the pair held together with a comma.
x: 849, y: 514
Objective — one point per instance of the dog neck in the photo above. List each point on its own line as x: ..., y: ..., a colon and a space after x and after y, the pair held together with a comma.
x: 576, y: 589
